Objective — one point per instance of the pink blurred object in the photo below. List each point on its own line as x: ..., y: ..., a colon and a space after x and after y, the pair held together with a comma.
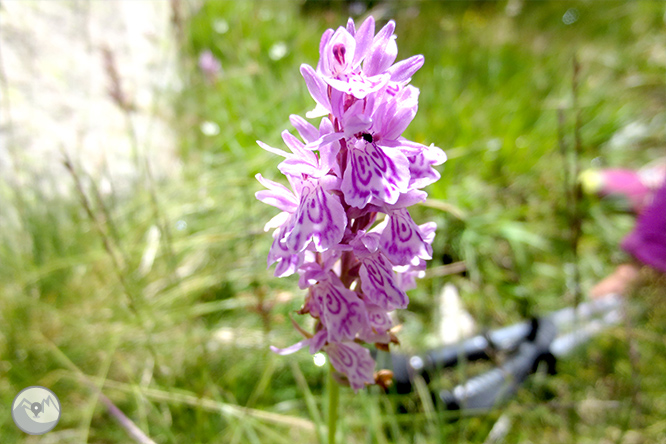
x: 637, y: 187
x: 647, y: 242
x: 645, y: 191
x: 626, y: 183
x: 209, y: 65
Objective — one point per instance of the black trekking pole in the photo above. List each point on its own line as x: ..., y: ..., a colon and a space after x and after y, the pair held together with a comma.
x: 541, y: 340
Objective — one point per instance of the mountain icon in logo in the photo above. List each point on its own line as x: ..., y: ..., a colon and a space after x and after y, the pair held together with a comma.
x: 36, y: 410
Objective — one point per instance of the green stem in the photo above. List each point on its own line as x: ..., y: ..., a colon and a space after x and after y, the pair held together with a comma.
x: 333, y: 398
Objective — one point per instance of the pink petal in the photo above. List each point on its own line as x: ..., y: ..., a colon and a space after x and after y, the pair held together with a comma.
x: 405, y: 69
x: 379, y: 318
x: 277, y: 195
x: 297, y: 166
x: 270, y: 149
x: 297, y: 147
x: 287, y: 261
x: 411, y: 197
x: 401, y: 113
x: 276, y: 200
x: 315, y: 343
x: 325, y: 38
x: 428, y: 230
x: 291, y: 349
x: 277, y: 221
x: 434, y: 155
x: 363, y: 38
x: 378, y: 327
x: 328, y: 153
x: 318, y: 111
x: 648, y: 240
x: 421, y: 166
x: 343, y: 312
x: 402, y: 241
x: 316, y: 86
x: 354, y: 361
x: 351, y: 27
x: 406, y: 147
x: 406, y: 278
x: 320, y: 217
x: 306, y: 130
x: 286, y: 266
x: 365, y: 243
x: 374, y: 172
x: 379, y: 285
x: 383, y: 51
x: 421, y: 172
x: 338, y: 54
x: 318, y: 341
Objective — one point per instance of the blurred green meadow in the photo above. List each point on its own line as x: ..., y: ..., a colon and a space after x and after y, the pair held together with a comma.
x: 161, y: 298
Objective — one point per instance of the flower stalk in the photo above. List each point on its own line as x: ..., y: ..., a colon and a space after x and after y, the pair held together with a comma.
x: 333, y: 402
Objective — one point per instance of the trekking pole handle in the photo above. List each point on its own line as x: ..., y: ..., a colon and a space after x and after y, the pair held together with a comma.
x: 496, y: 385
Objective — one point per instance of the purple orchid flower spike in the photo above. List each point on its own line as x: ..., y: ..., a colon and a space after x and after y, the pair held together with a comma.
x: 343, y: 175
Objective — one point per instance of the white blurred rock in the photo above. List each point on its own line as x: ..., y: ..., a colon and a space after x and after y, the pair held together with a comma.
x: 57, y: 90
x: 455, y: 322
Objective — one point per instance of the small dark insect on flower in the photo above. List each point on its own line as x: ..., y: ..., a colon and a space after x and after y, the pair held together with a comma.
x: 367, y: 137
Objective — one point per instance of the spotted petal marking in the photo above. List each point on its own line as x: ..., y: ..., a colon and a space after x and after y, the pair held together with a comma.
x: 406, y: 275
x: 422, y: 172
x: 402, y: 241
x: 287, y: 260
x: 318, y: 341
x: 320, y: 217
x: 357, y: 84
x: 421, y: 167
x: 343, y: 312
x: 379, y: 318
x: 378, y: 327
x: 354, y: 361
x: 379, y: 285
x: 373, y: 172
x: 338, y: 53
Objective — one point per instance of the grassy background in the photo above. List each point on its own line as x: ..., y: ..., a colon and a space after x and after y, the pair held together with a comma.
x: 180, y: 341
